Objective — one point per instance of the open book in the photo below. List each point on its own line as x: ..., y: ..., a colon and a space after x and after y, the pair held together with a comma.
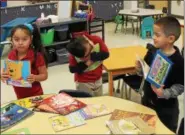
x: 159, y: 69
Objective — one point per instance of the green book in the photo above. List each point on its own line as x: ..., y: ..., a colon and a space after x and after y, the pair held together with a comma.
x: 22, y: 131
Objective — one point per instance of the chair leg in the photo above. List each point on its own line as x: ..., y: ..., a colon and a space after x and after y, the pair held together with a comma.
x: 118, y: 88
x: 130, y: 92
x: 116, y: 28
x: 133, y: 30
x: 122, y: 89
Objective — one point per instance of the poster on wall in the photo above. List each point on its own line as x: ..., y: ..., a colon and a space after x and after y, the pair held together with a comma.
x: 64, y: 6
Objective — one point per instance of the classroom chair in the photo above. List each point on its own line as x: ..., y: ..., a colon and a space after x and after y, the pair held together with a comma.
x: 147, y: 26
x: 150, y: 7
x: 119, y: 20
x: 76, y: 93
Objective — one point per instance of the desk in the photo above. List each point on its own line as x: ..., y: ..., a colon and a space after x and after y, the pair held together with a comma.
x: 122, y: 61
x: 142, y: 13
x: 39, y: 123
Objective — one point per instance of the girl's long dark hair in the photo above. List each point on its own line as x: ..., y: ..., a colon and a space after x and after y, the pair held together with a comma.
x: 36, y: 41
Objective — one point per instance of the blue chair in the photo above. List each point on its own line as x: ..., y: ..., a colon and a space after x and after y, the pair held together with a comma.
x: 147, y: 26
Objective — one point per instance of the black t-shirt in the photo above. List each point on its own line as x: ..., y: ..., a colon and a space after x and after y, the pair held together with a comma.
x: 175, y: 76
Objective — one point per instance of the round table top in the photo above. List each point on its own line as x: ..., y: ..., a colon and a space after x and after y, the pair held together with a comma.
x: 38, y: 123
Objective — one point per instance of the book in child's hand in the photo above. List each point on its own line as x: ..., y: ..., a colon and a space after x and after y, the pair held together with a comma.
x: 19, y: 72
x: 144, y: 66
x: 94, y: 110
x: 121, y: 114
x: 22, y: 131
x: 71, y: 120
x: 159, y: 69
x: 62, y: 103
x: 12, y: 114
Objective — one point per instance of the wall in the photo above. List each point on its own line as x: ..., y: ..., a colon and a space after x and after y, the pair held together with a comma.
x: 159, y: 4
x: 130, y: 4
x: 17, y: 3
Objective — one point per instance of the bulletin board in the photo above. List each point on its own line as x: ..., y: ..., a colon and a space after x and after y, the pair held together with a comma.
x: 10, y: 13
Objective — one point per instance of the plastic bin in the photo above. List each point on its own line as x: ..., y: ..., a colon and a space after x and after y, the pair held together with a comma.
x: 3, y: 3
x: 62, y: 56
x: 51, y: 54
x: 47, y: 37
x: 61, y: 32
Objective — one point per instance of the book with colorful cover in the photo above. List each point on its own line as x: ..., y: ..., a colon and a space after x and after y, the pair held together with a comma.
x: 12, y: 114
x: 132, y: 125
x: 159, y: 69
x: 31, y: 101
x: 22, y: 131
x: 121, y: 114
x: 61, y: 103
x: 94, y: 110
x: 71, y: 120
x: 19, y: 72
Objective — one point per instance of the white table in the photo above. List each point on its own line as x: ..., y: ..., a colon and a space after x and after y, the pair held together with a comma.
x: 142, y: 13
x: 39, y: 123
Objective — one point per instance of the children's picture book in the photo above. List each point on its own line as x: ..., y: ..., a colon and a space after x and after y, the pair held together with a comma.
x: 22, y: 131
x: 62, y: 103
x: 159, y: 70
x: 31, y: 101
x: 71, y: 120
x: 94, y: 110
x: 145, y: 67
x: 122, y: 127
x: 132, y: 125
x: 12, y: 114
x: 121, y: 114
x: 19, y: 72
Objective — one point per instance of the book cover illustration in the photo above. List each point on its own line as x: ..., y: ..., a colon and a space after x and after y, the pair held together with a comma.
x: 31, y: 101
x: 71, y: 120
x: 159, y: 70
x: 94, y: 110
x: 12, y: 114
x: 62, y: 103
x: 22, y: 131
x: 120, y: 114
x: 122, y: 127
x: 19, y: 72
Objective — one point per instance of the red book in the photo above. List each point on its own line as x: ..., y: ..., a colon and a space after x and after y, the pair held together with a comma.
x: 62, y: 104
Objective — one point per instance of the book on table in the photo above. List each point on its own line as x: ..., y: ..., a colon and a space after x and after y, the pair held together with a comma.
x: 11, y: 114
x: 61, y: 104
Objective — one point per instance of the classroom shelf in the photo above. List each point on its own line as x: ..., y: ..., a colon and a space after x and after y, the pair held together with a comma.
x: 58, y: 43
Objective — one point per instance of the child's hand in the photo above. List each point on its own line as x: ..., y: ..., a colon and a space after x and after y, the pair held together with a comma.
x: 89, y: 62
x: 158, y: 91
x: 4, y: 76
x: 31, y: 78
x: 137, y: 66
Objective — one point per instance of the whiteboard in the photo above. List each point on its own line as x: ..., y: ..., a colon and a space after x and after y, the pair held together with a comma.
x: 177, y: 9
x: 64, y: 9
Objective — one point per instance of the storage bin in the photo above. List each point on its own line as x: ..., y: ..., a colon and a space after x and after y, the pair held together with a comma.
x: 62, y: 56
x: 61, y: 32
x: 51, y: 55
x: 47, y: 37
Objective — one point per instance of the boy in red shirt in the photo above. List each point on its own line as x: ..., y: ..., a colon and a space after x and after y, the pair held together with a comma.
x: 86, y: 55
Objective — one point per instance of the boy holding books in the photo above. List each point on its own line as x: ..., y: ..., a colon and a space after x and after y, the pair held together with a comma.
x: 164, y: 99
x: 86, y: 55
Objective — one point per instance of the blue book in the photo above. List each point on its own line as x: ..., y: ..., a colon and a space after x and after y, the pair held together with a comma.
x: 159, y: 69
x: 19, y: 72
x: 12, y: 114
